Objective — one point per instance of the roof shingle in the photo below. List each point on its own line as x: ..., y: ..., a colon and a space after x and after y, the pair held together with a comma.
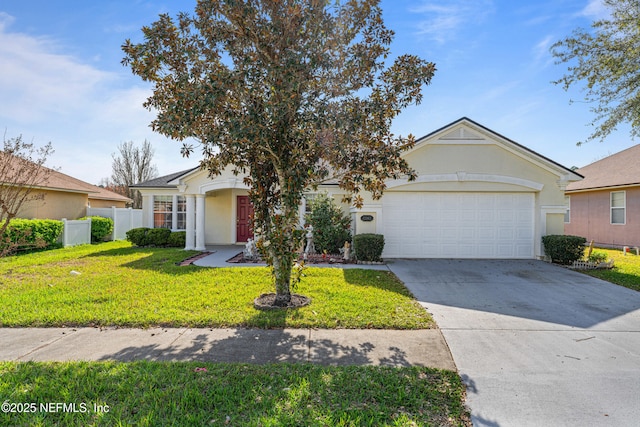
x: 619, y: 169
x: 59, y: 181
x: 163, y: 181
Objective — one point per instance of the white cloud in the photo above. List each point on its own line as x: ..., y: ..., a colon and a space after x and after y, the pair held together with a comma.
x: 445, y: 18
x: 5, y: 20
x: 48, y: 95
x: 36, y: 81
x: 595, y: 9
x: 541, y: 51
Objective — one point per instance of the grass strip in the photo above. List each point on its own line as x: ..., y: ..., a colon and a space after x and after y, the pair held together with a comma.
x: 196, y: 393
x: 626, y: 270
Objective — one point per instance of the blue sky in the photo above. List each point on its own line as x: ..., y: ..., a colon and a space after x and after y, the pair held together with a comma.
x: 61, y: 79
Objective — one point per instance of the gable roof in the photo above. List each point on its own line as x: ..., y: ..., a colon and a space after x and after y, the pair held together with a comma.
x: 620, y: 169
x: 171, y: 180
x: 164, y: 181
x: 58, y: 181
x: 485, y: 130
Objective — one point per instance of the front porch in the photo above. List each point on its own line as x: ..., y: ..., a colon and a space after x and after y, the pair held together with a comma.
x: 219, y: 217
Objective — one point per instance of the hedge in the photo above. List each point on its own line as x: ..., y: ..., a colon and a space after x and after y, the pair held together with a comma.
x: 144, y: 236
x: 368, y: 247
x: 564, y: 249
x: 100, y: 227
x: 177, y: 239
x: 25, y: 234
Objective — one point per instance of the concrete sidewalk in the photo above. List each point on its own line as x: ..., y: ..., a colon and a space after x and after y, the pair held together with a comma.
x: 425, y: 347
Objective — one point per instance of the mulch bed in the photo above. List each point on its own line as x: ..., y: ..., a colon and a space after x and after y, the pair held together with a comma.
x: 265, y: 302
x: 311, y: 259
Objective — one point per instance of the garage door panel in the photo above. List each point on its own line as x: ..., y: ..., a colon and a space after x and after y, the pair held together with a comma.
x: 459, y: 225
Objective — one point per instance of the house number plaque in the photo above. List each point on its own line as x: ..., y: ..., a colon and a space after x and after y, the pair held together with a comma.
x: 366, y: 218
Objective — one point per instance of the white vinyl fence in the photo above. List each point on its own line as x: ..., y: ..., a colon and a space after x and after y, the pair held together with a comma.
x: 124, y: 219
x: 76, y: 232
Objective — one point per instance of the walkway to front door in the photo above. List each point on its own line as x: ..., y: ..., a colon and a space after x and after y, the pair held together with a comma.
x: 244, y: 213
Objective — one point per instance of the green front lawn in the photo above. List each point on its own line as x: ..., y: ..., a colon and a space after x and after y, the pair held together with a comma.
x: 115, y: 284
x: 626, y: 270
x: 118, y: 285
x: 208, y: 394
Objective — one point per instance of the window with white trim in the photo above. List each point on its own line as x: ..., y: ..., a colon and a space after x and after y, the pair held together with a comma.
x: 567, y: 214
x: 162, y: 211
x: 308, y: 201
x: 181, y: 213
x: 618, y: 207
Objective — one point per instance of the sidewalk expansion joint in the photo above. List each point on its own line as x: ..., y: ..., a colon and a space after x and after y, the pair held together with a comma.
x: 45, y: 345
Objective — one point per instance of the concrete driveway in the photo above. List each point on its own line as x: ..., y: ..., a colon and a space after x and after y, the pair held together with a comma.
x: 535, y: 343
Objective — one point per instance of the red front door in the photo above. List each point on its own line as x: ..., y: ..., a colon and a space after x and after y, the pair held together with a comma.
x: 243, y: 219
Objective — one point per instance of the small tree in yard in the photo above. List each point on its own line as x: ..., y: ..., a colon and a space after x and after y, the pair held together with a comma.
x: 331, y: 228
x: 21, y: 171
x: 288, y: 92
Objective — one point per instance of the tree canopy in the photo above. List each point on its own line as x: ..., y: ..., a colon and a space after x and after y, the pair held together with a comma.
x: 289, y: 93
x: 606, y: 60
x: 132, y: 166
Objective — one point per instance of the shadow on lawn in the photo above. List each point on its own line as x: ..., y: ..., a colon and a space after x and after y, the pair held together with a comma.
x: 152, y: 258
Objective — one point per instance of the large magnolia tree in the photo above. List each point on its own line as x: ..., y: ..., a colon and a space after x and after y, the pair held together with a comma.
x: 288, y: 92
x: 605, y: 62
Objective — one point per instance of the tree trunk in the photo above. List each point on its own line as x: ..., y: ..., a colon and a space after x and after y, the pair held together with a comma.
x: 282, y: 264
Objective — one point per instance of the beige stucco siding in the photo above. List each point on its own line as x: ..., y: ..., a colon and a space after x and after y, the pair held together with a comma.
x: 55, y: 205
x: 218, y: 206
x: 555, y: 224
x: 481, y: 159
x: 100, y: 203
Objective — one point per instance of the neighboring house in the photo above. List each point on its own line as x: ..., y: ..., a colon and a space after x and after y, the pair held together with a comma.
x: 605, y: 206
x: 68, y: 197
x: 477, y: 195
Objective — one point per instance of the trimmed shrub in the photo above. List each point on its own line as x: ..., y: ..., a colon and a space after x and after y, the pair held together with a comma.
x: 138, y: 236
x: 25, y: 234
x: 100, y: 227
x: 177, y: 239
x: 331, y: 228
x: 144, y: 236
x: 368, y: 247
x: 564, y: 249
x: 158, y: 236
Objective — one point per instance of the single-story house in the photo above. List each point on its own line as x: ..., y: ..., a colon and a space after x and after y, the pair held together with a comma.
x: 477, y: 195
x: 68, y: 197
x: 605, y: 205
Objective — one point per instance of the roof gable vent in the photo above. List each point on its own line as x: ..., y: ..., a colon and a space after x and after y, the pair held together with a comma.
x: 461, y: 133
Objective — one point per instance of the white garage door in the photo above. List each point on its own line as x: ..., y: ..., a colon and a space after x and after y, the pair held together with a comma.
x: 458, y: 225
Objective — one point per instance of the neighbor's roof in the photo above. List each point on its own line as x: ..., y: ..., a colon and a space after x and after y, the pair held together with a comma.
x: 104, y: 194
x: 58, y: 181
x: 620, y: 169
x: 163, y: 181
